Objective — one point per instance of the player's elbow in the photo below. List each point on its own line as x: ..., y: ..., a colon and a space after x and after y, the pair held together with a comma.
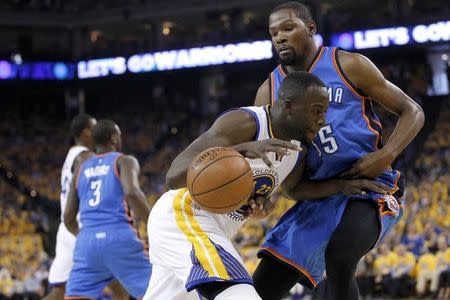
x: 420, y: 115
x: 416, y: 114
x: 70, y: 222
x: 172, y: 180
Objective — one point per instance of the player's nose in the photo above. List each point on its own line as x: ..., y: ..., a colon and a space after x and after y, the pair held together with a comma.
x: 281, y: 39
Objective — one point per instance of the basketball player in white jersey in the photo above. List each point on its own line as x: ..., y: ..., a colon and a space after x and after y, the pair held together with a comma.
x: 190, y: 248
x: 80, y: 129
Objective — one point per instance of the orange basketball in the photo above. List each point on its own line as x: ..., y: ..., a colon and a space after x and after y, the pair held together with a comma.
x: 220, y: 180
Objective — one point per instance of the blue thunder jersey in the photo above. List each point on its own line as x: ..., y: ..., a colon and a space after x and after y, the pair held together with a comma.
x: 352, y: 128
x: 102, y: 201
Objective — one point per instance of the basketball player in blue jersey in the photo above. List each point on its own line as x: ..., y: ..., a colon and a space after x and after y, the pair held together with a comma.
x: 107, y: 245
x: 81, y: 131
x: 334, y: 233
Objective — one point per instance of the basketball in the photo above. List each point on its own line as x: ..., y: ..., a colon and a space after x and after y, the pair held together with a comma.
x: 220, y: 180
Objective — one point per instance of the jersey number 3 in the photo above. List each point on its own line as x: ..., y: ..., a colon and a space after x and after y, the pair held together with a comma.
x: 327, y: 140
x: 95, y: 186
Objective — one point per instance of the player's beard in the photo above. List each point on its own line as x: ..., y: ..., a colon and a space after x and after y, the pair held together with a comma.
x: 289, y: 60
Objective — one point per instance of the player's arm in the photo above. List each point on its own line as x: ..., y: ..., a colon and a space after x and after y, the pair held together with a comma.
x: 367, y: 78
x: 235, y: 129
x: 298, y: 188
x: 72, y: 205
x: 129, y: 170
x: 80, y: 159
x: 263, y: 94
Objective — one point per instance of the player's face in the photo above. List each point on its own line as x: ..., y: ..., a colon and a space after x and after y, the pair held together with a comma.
x: 313, y: 112
x: 290, y: 35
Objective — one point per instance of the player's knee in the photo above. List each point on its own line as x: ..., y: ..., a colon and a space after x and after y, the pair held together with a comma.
x: 239, y: 292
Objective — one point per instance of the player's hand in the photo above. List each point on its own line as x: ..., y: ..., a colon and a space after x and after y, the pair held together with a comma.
x: 259, y: 208
x: 370, y: 165
x: 362, y: 186
x: 259, y: 149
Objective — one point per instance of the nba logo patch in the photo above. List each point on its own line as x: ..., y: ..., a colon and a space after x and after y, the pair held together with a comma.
x: 392, y: 203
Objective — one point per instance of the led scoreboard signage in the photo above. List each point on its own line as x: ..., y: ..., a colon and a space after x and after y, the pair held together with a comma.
x: 176, y: 59
x: 393, y: 36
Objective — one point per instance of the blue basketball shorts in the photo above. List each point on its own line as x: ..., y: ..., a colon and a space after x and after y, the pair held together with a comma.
x: 301, y: 236
x: 102, y: 255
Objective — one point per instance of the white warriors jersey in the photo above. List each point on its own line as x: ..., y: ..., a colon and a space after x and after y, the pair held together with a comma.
x: 266, y: 180
x: 67, y: 174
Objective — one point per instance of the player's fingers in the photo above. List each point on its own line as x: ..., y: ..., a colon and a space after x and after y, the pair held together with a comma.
x: 268, y: 207
x: 258, y: 203
x: 285, y: 144
x: 376, y: 187
x: 251, y: 155
x: 266, y: 160
x: 251, y: 203
x: 357, y: 191
x: 261, y: 204
x: 276, y: 149
x: 247, y: 212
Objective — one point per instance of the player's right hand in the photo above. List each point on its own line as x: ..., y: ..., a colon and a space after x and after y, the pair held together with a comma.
x: 258, y: 149
x: 259, y: 207
x: 363, y: 186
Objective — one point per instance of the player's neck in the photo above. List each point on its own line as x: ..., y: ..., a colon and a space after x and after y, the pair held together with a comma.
x: 304, y: 64
x: 81, y: 143
x: 104, y: 149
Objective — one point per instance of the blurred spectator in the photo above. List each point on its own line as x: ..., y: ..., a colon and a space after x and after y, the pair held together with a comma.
x: 443, y: 267
x: 402, y: 272
x: 413, y: 240
x: 426, y: 272
x: 384, y: 266
x: 365, y: 275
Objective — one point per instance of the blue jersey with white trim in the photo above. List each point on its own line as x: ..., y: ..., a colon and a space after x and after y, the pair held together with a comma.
x: 352, y: 128
x: 102, y: 201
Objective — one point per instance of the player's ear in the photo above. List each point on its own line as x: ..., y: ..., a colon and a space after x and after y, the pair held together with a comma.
x: 287, y: 105
x: 312, y: 27
x: 87, y: 132
x: 115, y: 138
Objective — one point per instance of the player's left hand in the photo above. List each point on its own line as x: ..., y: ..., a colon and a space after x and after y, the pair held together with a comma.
x: 259, y: 208
x: 370, y: 165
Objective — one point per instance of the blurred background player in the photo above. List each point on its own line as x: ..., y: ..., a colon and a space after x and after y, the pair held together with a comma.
x: 108, y: 247
x: 81, y: 131
x: 349, y: 146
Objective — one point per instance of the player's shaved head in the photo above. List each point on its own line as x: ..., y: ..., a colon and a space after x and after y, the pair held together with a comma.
x: 300, y: 10
x: 80, y: 123
x: 103, y: 131
x: 296, y: 85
